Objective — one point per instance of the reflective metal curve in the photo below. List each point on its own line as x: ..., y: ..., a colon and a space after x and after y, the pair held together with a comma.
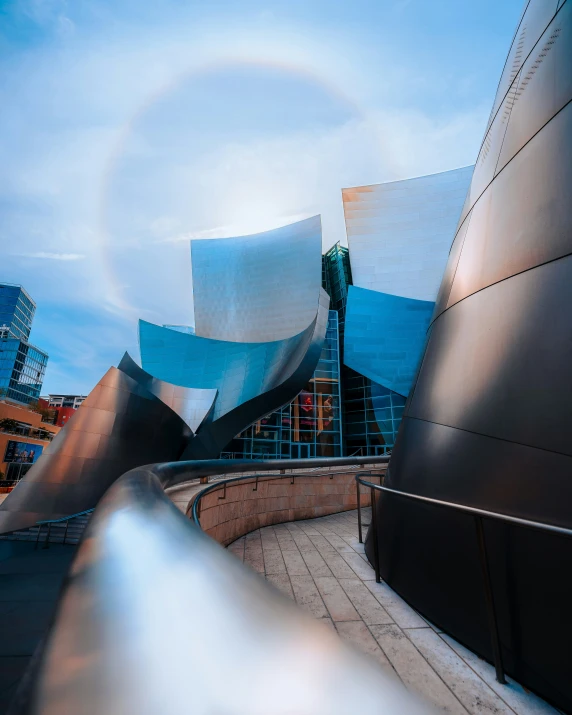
x: 158, y: 618
x: 119, y: 426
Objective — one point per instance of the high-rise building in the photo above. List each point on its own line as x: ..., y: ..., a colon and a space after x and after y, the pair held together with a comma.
x: 16, y: 312
x: 22, y: 365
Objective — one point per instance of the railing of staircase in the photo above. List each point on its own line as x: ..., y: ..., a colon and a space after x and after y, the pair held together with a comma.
x: 479, y: 515
x: 51, y: 522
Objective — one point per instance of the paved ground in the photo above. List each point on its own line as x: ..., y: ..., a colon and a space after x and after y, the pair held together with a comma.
x: 320, y: 564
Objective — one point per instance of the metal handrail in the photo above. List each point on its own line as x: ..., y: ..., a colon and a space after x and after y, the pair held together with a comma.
x: 61, y: 520
x: 210, y: 616
x: 479, y: 515
x: 214, y: 486
x: 64, y: 518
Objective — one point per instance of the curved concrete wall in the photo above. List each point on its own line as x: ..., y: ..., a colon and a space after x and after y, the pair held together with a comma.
x: 259, y: 288
x: 248, y: 505
x: 488, y: 423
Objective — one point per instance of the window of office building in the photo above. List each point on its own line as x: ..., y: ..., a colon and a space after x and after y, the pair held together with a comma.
x: 16, y: 312
x: 22, y: 370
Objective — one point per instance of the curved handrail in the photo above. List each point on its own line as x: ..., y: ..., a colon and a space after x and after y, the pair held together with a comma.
x: 157, y: 617
x: 172, y: 473
x: 64, y: 518
x: 479, y: 515
x: 541, y: 526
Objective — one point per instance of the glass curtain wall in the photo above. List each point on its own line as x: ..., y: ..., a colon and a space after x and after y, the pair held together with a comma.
x: 22, y: 370
x: 310, y: 426
x: 371, y: 413
x: 16, y: 312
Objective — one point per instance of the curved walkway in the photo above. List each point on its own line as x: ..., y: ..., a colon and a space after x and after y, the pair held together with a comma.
x: 321, y: 565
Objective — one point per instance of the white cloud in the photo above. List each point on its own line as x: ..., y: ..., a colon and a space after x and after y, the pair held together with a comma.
x: 54, y: 256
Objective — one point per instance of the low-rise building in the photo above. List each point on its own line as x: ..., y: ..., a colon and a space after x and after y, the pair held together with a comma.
x: 24, y: 434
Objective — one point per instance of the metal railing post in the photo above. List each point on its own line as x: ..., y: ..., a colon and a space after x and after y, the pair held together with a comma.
x: 489, y: 600
x: 359, y: 511
x: 375, y: 536
x: 47, y: 541
x: 38, y: 536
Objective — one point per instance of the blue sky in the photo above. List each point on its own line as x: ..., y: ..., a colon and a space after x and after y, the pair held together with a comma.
x: 129, y: 127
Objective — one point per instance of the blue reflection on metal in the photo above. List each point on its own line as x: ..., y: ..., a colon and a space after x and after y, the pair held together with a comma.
x: 385, y: 336
x: 239, y: 371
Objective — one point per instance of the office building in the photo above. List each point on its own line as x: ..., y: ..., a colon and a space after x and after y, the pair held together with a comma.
x: 16, y: 312
x: 22, y: 365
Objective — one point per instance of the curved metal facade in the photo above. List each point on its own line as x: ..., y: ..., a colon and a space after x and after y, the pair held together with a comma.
x: 252, y: 379
x: 384, y: 337
x: 193, y: 405
x: 119, y: 426
x: 259, y: 288
x: 399, y: 233
x: 488, y: 423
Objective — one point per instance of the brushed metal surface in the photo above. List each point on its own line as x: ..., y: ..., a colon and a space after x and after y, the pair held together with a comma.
x: 399, y: 233
x: 157, y: 617
x: 193, y: 405
x: 259, y: 288
x: 119, y: 426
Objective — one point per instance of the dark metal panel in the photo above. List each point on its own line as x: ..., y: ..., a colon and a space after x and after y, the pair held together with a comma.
x: 490, y: 150
x: 544, y: 87
x: 467, y: 468
x: 536, y: 17
x: 451, y: 268
x: 524, y: 217
x: 87, y: 456
x: 489, y: 422
x: 498, y: 363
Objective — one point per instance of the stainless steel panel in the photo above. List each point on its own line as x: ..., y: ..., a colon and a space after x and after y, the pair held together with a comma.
x: 400, y: 232
x: 84, y: 459
x: 241, y: 286
x: 544, y: 87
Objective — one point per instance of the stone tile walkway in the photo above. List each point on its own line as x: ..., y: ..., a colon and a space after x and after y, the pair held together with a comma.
x: 321, y: 565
